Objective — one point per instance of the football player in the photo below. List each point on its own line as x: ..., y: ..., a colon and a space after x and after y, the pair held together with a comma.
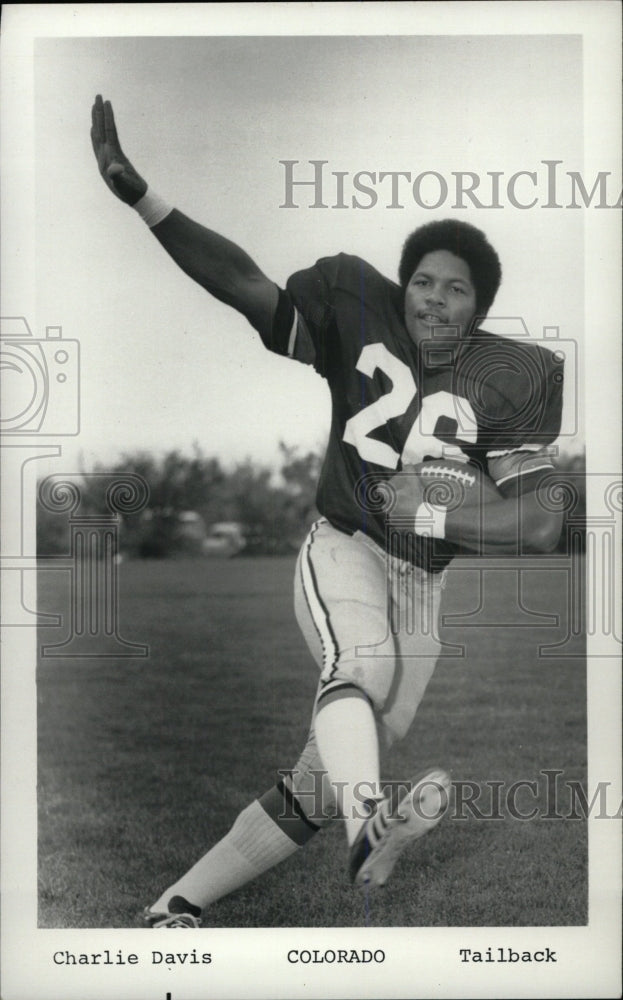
x: 413, y: 379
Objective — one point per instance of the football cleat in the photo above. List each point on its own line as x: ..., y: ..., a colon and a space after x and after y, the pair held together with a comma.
x: 179, y: 915
x: 391, y: 828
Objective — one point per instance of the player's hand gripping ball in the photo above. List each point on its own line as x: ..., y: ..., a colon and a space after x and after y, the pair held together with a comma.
x: 441, y: 482
x: 446, y: 482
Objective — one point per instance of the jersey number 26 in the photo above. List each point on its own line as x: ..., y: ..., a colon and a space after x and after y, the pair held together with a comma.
x: 421, y: 440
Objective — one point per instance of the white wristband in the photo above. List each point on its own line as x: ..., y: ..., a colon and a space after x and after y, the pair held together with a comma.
x: 152, y: 208
x: 430, y: 520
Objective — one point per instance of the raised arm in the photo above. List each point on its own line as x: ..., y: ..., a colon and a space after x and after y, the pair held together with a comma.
x: 213, y: 261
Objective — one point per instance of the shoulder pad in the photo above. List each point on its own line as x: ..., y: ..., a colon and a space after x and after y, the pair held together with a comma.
x: 517, y: 386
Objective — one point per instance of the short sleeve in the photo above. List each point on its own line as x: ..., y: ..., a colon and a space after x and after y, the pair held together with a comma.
x: 517, y: 471
x: 304, y: 319
x: 312, y: 293
x: 321, y: 308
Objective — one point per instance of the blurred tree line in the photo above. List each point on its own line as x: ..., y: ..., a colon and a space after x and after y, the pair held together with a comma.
x: 274, y: 510
x: 190, y: 494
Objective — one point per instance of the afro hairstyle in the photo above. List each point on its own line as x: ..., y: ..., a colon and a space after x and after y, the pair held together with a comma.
x: 464, y: 241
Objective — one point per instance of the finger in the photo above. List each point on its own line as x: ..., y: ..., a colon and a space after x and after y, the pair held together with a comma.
x: 97, y: 118
x: 110, y: 130
x: 97, y: 110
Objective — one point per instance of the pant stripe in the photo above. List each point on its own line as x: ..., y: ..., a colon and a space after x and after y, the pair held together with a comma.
x: 317, y: 609
x: 340, y: 689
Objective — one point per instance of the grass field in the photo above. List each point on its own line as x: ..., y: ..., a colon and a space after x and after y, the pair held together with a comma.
x: 144, y: 763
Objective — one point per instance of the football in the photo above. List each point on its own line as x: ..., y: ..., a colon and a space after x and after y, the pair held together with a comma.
x: 447, y: 481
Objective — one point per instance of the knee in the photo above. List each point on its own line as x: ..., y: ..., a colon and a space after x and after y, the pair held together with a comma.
x: 371, y: 676
x: 310, y: 785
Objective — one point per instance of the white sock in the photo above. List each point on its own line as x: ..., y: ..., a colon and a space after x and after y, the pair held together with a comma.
x: 348, y: 745
x: 253, y: 845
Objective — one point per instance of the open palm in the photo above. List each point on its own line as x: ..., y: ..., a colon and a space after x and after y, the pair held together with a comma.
x: 114, y: 166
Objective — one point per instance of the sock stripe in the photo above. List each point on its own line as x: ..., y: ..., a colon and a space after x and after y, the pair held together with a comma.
x: 287, y: 814
x: 295, y: 805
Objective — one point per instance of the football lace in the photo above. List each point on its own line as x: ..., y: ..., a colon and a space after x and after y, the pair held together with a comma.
x: 466, y: 478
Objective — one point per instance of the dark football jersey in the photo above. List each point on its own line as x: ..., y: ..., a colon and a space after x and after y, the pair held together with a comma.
x: 492, y: 401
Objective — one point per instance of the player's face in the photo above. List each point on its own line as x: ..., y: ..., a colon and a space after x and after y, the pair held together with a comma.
x: 440, y: 300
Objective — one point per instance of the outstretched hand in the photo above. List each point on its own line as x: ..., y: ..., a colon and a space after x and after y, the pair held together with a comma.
x: 114, y: 166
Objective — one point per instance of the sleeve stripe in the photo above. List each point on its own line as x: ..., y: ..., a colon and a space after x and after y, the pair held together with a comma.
x: 292, y: 340
x: 523, y: 472
x: 513, y: 451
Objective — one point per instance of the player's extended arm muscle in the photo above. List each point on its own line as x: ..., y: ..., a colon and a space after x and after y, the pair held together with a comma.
x: 213, y: 261
x: 493, y: 526
x: 219, y: 266
x: 485, y: 521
